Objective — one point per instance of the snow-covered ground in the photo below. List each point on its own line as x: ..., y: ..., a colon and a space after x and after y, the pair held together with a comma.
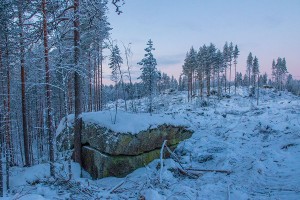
x: 258, y: 144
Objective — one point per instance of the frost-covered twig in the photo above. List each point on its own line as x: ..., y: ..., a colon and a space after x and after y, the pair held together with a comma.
x: 228, y: 192
x: 117, y: 186
x: 161, y: 161
x: 20, y: 194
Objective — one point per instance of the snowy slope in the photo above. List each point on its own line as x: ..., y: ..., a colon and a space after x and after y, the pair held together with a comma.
x: 259, y: 144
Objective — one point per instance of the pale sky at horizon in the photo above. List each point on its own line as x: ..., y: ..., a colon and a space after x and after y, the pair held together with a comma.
x: 267, y: 28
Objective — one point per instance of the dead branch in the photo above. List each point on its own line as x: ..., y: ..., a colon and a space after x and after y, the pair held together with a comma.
x: 186, y: 173
x: 117, y: 187
x: 210, y: 170
x: 190, y: 171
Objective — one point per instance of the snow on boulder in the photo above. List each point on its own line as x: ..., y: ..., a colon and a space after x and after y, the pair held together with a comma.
x: 117, y: 149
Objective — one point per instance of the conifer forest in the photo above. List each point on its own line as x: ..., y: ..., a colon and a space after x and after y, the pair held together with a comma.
x: 85, y: 115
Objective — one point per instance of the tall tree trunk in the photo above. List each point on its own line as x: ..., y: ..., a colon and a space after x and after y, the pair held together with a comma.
x: 22, y: 59
x: 219, y: 88
x: 90, y: 102
x: 225, y: 79
x: 65, y: 84
x: 235, y: 78
x: 95, y: 85
x: 249, y: 76
x: 229, y: 76
x: 9, y: 159
x: 123, y: 87
x: 208, y: 83
x: 257, y: 88
x: 201, y: 84
x: 1, y: 160
x: 8, y: 121
x: 101, y: 77
x: 190, y: 86
x: 127, y: 51
x: 48, y: 90
x: 1, y: 143
x: 77, y: 87
x: 70, y: 93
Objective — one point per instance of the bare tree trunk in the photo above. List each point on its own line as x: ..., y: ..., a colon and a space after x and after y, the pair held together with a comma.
x: 219, y: 88
x: 257, y: 88
x: 1, y: 160
x: 123, y: 87
x: 235, y: 78
x: 1, y: 143
x: 101, y: 77
x: 90, y: 84
x: 127, y: 54
x: 48, y: 90
x: 229, y: 75
x: 208, y: 83
x: 8, y: 146
x: 190, y: 88
x: 201, y: 84
x: 7, y: 135
x: 249, y: 76
x: 70, y: 95
x: 22, y: 59
x: 77, y: 87
x: 65, y: 83
x: 95, y: 85
x: 225, y: 79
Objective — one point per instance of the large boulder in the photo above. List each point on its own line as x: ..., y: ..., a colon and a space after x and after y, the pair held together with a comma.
x: 114, y: 143
x: 100, y: 165
x: 110, y: 150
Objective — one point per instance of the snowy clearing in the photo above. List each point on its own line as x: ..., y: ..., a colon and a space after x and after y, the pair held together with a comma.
x: 260, y: 145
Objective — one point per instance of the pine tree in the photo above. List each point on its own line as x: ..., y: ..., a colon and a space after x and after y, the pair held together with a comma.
x: 249, y: 67
x: 189, y: 66
x: 23, y: 82
x: 77, y: 86
x: 225, y: 60
x: 279, y: 70
x: 200, y: 69
x: 274, y: 75
x: 230, y: 56
x: 219, y: 68
x: 149, y: 73
x: 211, y: 56
x: 235, y: 56
x: 48, y: 89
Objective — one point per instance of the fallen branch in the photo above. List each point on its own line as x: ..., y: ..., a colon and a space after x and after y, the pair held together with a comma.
x: 210, y: 170
x: 190, y: 171
x: 191, y: 175
x: 117, y: 186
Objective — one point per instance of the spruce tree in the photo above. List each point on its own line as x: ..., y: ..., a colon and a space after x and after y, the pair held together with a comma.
x: 149, y: 73
x: 255, y: 70
x: 115, y: 65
